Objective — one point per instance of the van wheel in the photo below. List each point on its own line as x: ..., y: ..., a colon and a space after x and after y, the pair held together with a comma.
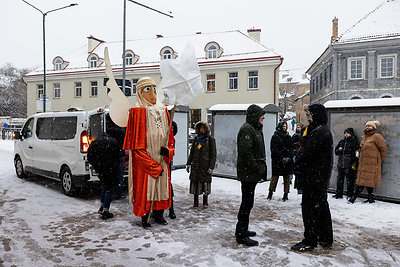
x: 19, y: 168
x: 67, y: 185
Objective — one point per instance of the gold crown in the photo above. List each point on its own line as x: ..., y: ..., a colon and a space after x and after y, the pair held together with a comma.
x: 143, y: 82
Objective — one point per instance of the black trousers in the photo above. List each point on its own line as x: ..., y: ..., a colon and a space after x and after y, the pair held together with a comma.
x: 316, y: 217
x: 242, y: 225
x: 350, y: 176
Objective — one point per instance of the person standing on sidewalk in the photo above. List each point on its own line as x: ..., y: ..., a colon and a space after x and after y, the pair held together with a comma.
x: 346, y: 150
x: 282, y: 159
x: 251, y: 168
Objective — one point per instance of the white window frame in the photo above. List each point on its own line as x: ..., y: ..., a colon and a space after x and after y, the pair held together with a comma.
x: 252, y: 78
x: 211, y: 81
x: 349, y: 60
x: 39, y: 90
x: 232, y: 80
x: 134, y: 92
x: 93, y: 62
x: 212, y: 51
x: 94, y: 89
x: 167, y: 54
x: 129, y: 59
x: 57, y: 90
x: 380, y: 57
x: 58, y: 65
x: 78, y: 87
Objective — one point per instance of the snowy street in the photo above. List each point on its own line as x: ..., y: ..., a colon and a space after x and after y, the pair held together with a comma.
x: 39, y: 226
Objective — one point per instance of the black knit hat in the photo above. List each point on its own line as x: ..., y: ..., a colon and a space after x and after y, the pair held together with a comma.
x: 349, y: 130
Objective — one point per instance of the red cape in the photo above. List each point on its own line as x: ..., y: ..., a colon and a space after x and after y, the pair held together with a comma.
x: 142, y: 164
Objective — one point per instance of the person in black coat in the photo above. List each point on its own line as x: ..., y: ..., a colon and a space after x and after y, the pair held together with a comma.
x: 282, y: 159
x: 346, y: 150
x: 104, y: 154
x: 314, y: 164
x: 251, y: 169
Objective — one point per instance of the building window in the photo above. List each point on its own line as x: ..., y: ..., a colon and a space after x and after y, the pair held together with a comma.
x: 326, y: 77
x: 93, y: 62
x: 212, y: 52
x: 40, y: 91
x: 210, y: 82
x: 57, y: 90
x: 387, y: 66
x: 321, y: 81
x: 233, y: 81
x: 253, y: 80
x: 356, y: 68
x: 167, y: 54
x: 58, y: 65
x: 134, y: 82
x: 93, y: 88
x: 128, y: 59
x: 78, y: 89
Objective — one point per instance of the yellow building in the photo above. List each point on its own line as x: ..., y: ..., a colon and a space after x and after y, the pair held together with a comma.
x: 235, y: 68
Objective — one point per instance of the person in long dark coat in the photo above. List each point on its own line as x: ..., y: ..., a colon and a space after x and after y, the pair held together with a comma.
x: 296, y: 141
x: 251, y: 168
x: 282, y: 159
x: 346, y: 150
x: 104, y: 154
x: 201, y: 163
x: 314, y: 163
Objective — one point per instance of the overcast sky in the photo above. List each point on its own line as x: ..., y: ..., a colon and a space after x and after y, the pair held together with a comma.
x: 298, y: 30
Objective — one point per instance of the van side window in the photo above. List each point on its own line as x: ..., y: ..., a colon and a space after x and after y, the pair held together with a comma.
x: 95, y: 126
x: 44, y: 128
x: 28, y: 128
x: 64, y: 128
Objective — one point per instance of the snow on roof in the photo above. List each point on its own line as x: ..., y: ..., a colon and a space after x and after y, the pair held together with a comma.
x: 242, y: 107
x: 293, y: 76
x: 372, y: 102
x: 381, y: 22
x: 235, y: 45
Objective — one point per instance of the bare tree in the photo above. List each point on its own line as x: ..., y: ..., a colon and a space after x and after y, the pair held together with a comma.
x: 12, y: 91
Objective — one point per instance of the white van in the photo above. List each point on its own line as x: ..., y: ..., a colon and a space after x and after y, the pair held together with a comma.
x: 55, y: 145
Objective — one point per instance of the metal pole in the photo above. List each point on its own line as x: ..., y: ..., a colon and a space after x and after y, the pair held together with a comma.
x: 123, y: 49
x: 44, y: 64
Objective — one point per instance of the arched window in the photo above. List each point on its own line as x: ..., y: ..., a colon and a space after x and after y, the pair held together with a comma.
x: 355, y: 97
x: 167, y: 54
x: 212, y: 52
x: 93, y: 62
x: 58, y: 65
x: 128, y: 59
x: 386, y: 96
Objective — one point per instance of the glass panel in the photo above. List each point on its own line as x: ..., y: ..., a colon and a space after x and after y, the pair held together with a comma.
x: 28, y: 128
x: 64, y: 128
x: 44, y: 128
x: 95, y: 126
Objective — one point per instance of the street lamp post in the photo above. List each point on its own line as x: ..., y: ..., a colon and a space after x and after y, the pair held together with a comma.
x: 44, y: 46
x: 124, y: 37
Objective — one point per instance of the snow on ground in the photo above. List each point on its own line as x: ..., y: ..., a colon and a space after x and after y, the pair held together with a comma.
x: 42, y: 227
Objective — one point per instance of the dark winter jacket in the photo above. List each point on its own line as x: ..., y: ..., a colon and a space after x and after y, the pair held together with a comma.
x: 104, y: 154
x: 315, y: 157
x: 251, y: 164
x: 296, y: 141
x: 202, y: 155
x: 281, y: 151
x: 347, y: 156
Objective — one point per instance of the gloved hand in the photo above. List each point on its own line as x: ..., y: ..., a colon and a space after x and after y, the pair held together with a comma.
x: 285, y: 160
x: 210, y: 171
x: 164, y: 151
x: 187, y: 168
x: 160, y: 174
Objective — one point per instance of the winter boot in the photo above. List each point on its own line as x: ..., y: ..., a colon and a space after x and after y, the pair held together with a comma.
x: 285, y: 197
x: 205, y: 201
x: 172, y: 214
x: 370, y: 199
x: 100, y: 211
x: 146, y: 224
x: 245, y: 240
x: 158, y: 216
x: 106, y: 215
x: 196, y: 201
x: 269, y: 197
x: 301, y: 246
x: 337, y: 196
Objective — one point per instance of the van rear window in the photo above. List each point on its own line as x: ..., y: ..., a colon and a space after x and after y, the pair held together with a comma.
x: 58, y: 128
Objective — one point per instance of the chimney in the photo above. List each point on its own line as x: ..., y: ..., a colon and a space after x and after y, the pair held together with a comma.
x: 93, y: 43
x: 254, y: 33
x: 335, y: 29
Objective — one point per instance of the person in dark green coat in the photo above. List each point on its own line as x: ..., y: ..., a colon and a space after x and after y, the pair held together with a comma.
x: 201, y: 163
x: 251, y: 168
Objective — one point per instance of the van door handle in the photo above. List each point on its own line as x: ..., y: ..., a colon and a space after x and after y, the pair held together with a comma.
x: 30, y: 147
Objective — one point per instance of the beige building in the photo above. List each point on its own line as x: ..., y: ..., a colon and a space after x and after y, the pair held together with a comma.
x: 235, y: 68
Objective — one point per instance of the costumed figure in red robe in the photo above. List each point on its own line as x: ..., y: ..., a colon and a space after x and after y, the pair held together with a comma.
x: 151, y: 147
